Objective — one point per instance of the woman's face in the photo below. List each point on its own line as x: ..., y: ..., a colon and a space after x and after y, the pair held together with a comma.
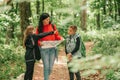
x: 71, y: 31
x: 46, y: 21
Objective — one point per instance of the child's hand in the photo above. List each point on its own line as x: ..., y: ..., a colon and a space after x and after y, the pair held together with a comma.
x: 69, y: 56
x: 41, y: 44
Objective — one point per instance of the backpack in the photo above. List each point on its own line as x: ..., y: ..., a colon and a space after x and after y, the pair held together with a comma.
x: 82, y: 48
x: 36, y: 50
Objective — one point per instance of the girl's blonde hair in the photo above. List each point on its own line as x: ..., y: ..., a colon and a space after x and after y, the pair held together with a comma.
x: 28, y: 31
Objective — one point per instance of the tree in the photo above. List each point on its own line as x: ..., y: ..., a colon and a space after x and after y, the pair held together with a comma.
x: 115, y: 2
x: 37, y: 7
x: 84, y: 16
x: 25, y: 14
x: 104, y: 7
x: 118, y: 4
x: 43, y: 6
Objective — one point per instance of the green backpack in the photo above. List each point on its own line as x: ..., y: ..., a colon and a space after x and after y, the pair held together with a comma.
x: 82, y: 48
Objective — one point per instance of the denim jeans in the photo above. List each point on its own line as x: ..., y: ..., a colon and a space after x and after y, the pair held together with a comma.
x: 48, y: 57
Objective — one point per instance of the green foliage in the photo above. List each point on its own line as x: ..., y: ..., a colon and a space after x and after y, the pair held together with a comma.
x: 107, y: 48
x: 108, y: 43
x: 94, y: 63
x: 8, y: 20
x: 65, y: 13
x: 11, y: 61
x: 110, y: 75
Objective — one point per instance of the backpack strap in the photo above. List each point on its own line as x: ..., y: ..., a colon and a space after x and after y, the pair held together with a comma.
x: 53, y: 26
x: 33, y: 45
x: 76, y: 36
x: 32, y: 41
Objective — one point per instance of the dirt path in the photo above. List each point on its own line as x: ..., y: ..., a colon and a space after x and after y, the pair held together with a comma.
x: 60, y: 71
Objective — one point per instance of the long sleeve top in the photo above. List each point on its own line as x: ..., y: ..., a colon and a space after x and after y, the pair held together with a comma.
x: 29, y: 54
x: 72, y: 45
x: 53, y: 37
x: 77, y: 45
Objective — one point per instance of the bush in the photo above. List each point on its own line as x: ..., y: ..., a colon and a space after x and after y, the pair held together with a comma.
x: 11, y: 61
x: 110, y: 75
x: 108, y: 43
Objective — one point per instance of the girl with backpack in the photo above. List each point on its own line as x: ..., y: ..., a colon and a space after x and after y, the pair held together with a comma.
x: 72, y: 49
x: 29, y: 42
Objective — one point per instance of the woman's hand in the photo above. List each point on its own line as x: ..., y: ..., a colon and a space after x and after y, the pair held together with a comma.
x: 55, y: 32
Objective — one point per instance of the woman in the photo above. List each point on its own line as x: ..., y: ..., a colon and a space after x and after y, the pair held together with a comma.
x: 47, y: 54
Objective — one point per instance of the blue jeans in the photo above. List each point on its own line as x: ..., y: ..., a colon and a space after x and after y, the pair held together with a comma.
x: 48, y: 57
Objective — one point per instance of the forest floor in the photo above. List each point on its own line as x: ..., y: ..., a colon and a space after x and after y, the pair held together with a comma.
x: 60, y: 70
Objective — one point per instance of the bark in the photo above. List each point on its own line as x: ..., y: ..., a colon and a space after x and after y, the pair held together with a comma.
x: 118, y: 2
x: 110, y: 8
x: 98, y: 20
x: 38, y: 7
x: 98, y: 16
x: 84, y: 17
x: 10, y: 28
x: 115, y: 2
x: 42, y: 5
x: 25, y: 14
x: 104, y: 8
x: 51, y: 14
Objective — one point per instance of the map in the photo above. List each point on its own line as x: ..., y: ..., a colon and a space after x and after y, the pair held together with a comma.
x: 50, y: 44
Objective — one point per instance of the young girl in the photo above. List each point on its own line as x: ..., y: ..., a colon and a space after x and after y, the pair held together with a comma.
x: 29, y: 39
x: 72, y: 49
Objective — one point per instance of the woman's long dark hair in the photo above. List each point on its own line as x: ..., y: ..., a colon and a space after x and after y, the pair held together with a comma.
x: 40, y: 24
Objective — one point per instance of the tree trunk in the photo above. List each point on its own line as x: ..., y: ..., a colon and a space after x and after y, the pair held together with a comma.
x: 52, y: 11
x: 51, y: 14
x: 98, y: 20
x: 98, y: 16
x: 115, y: 2
x: 104, y: 8
x: 38, y: 8
x: 10, y: 28
x: 84, y: 17
x: 16, y: 8
x: 25, y: 14
x: 110, y: 8
x: 42, y: 6
x: 59, y: 15
x: 118, y: 2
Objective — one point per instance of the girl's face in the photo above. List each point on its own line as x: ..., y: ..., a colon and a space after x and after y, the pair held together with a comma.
x: 31, y: 30
x: 71, y: 31
x: 46, y: 21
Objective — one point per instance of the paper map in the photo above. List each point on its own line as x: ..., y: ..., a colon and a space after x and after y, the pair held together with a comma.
x: 50, y: 44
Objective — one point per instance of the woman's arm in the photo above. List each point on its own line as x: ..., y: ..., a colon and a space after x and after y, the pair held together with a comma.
x: 66, y: 49
x: 41, y: 35
x: 57, y: 36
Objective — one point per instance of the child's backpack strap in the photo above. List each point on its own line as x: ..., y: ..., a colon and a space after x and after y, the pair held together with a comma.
x: 33, y: 45
x: 82, y: 46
